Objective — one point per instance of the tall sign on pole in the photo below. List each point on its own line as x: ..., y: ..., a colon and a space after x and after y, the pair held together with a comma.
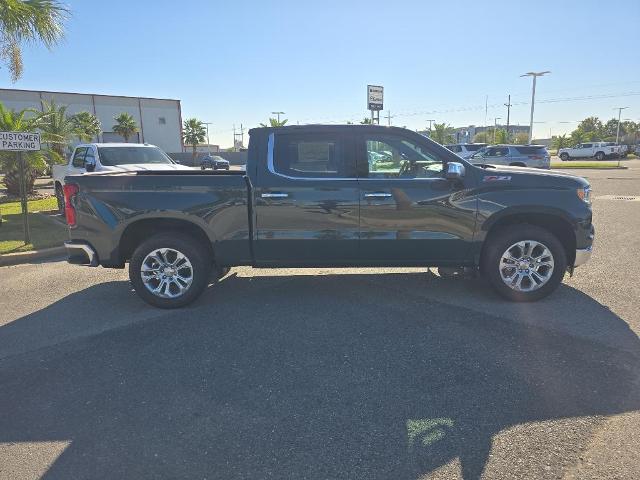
x: 20, y: 142
x: 375, y: 101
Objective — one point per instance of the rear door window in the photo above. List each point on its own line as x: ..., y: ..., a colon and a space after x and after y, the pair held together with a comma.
x: 528, y: 150
x: 313, y: 156
x: 497, y: 152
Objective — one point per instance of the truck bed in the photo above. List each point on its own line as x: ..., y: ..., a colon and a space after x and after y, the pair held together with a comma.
x: 110, y: 206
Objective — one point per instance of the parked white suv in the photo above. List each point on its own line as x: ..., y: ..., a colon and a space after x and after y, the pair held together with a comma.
x: 465, y: 150
x: 597, y: 150
x: 111, y: 157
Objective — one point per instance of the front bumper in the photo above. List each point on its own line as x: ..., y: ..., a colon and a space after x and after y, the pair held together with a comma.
x: 80, y: 253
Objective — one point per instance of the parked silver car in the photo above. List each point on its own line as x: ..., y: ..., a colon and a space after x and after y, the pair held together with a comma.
x: 535, y: 156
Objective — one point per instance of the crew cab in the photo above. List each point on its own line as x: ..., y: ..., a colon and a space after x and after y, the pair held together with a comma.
x: 310, y: 198
x: 111, y: 157
x: 597, y: 150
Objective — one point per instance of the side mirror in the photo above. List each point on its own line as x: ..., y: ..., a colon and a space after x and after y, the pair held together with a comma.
x: 455, y: 171
x: 90, y: 164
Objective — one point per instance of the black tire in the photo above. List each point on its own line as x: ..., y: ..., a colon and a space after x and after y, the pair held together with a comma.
x: 564, y: 156
x: 599, y: 156
x: 196, y: 253
x: 497, y: 244
x: 202, y: 167
x: 60, y: 198
x: 517, y: 164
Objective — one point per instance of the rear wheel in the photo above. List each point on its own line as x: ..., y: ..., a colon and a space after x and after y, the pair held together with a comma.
x: 564, y: 156
x: 170, y: 270
x: 599, y: 156
x: 524, y: 262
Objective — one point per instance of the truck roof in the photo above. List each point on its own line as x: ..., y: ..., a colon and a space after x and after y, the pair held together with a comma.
x: 333, y: 126
x: 115, y: 144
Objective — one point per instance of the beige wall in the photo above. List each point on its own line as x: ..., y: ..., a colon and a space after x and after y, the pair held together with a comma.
x: 165, y: 135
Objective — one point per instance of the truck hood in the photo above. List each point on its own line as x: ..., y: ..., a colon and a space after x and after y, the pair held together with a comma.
x: 134, y: 167
x: 533, y: 173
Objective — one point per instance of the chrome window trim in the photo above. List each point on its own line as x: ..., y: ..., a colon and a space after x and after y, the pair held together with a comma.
x: 272, y: 170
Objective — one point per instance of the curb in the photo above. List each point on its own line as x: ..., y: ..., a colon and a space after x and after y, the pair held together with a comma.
x: 28, y: 257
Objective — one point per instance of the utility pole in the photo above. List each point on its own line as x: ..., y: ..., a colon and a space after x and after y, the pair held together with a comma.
x: 278, y: 114
x: 618, y: 129
x: 535, y: 75
x: 208, y: 143
x: 486, y: 107
x: 389, y: 117
x: 508, y: 105
x: 495, y: 125
x: 430, y: 120
x: 236, y: 135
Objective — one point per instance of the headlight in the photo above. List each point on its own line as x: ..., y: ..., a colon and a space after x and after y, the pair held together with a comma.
x: 584, y: 194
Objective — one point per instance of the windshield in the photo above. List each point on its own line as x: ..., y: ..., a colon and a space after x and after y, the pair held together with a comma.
x: 113, y: 156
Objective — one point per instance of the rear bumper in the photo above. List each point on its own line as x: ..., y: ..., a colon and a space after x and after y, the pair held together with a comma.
x: 80, y: 253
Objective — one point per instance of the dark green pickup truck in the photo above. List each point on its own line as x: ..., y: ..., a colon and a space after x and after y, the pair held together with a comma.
x: 326, y: 195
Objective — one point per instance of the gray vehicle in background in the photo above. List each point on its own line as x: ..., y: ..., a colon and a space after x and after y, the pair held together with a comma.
x: 214, y: 162
x: 465, y: 150
x: 535, y: 156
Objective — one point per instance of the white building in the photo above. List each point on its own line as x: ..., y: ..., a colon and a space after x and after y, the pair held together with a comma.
x: 159, y: 120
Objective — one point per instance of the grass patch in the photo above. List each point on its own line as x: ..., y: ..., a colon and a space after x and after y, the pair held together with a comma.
x: 44, y: 232
x: 596, y: 165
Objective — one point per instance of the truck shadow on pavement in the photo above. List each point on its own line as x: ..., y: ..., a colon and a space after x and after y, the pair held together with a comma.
x: 334, y: 376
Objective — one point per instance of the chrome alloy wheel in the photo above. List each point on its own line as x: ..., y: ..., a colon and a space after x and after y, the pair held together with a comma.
x: 166, y: 273
x: 526, y: 266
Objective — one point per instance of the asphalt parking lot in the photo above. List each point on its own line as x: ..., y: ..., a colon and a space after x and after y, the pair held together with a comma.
x: 329, y: 373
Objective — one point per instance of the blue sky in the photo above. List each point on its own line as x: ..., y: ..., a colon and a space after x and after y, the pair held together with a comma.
x: 235, y: 62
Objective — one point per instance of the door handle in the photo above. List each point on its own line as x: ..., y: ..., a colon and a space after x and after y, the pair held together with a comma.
x: 275, y: 195
x: 377, y: 195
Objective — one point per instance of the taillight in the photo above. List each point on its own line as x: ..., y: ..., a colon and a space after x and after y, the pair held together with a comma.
x: 70, y: 190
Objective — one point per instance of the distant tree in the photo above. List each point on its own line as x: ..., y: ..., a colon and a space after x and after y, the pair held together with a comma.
x: 501, y: 136
x: 194, y: 133
x: 482, y: 137
x: 441, y: 133
x: 521, y: 138
x: 86, y: 126
x: 28, y: 21
x: 365, y: 121
x: 591, y: 126
x: 610, y: 128
x: 273, y: 122
x: 577, y: 136
x: 125, y: 126
x: 560, y: 141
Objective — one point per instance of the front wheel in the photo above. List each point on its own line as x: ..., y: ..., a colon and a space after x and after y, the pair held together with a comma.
x: 524, y: 262
x: 170, y: 270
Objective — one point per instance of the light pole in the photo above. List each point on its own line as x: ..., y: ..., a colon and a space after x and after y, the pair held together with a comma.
x: 495, y: 125
x: 535, y: 75
x: 208, y: 143
x: 618, y: 129
x: 278, y: 114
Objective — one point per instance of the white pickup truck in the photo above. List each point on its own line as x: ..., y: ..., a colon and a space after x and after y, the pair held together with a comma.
x: 597, y: 150
x: 111, y: 157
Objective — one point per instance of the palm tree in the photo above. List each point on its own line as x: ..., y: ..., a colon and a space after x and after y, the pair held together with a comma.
x: 57, y: 130
x: 28, y: 21
x: 125, y: 125
x: 273, y: 122
x: 194, y: 133
x: 441, y: 132
x: 26, y: 120
x: 86, y: 126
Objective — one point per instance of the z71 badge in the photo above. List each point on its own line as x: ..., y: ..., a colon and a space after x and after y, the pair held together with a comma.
x: 497, y: 178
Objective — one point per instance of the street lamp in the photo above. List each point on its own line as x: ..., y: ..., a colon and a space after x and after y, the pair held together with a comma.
x: 495, y: 125
x: 535, y: 75
x: 618, y: 129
